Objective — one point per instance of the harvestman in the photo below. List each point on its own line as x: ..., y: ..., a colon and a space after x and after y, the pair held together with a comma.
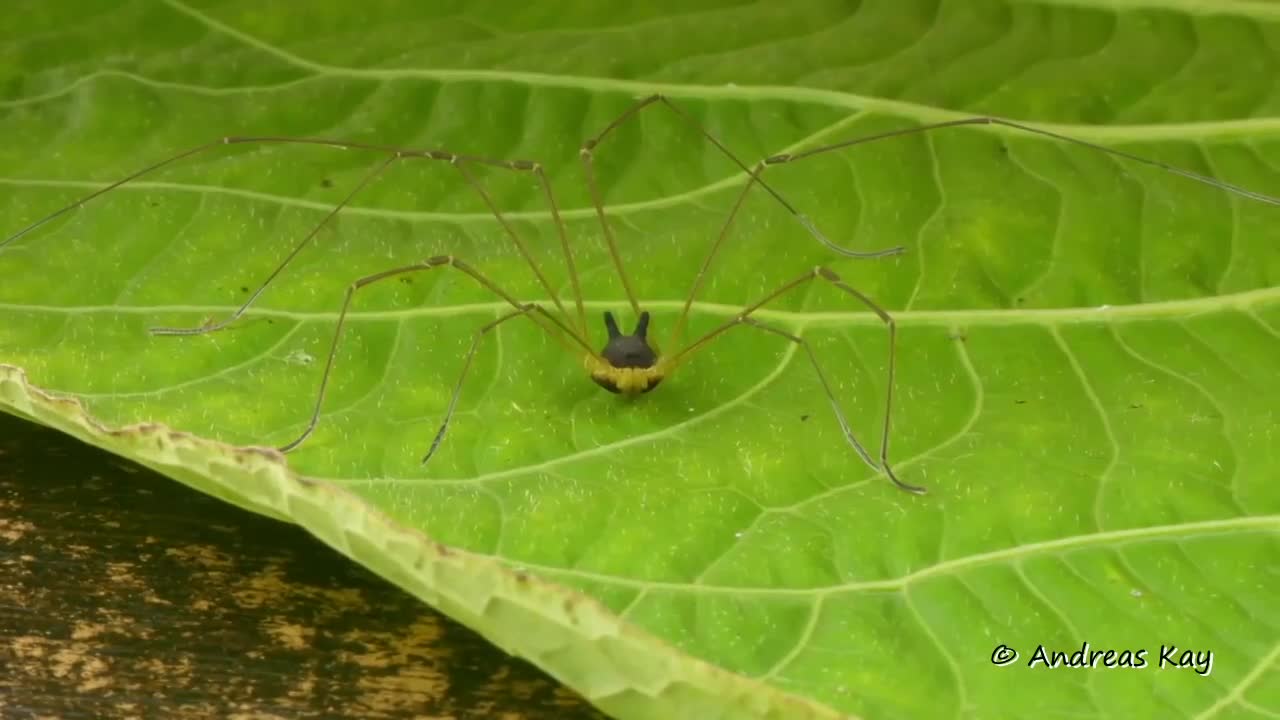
x: 628, y: 364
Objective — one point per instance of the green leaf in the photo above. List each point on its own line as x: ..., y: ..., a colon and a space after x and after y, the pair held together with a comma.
x: 1086, y: 354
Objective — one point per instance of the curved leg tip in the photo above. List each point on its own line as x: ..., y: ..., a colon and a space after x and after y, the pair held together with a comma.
x: 435, y: 442
x: 209, y: 325
x: 180, y: 331
x: 430, y: 453
x: 906, y: 487
x: 291, y: 446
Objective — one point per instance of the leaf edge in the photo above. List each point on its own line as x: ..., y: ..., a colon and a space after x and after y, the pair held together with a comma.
x: 618, y: 667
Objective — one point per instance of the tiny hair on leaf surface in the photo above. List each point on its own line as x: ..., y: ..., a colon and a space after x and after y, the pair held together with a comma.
x: 1085, y: 344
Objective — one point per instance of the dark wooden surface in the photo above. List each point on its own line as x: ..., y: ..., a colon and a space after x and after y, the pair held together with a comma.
x: 124, y: 594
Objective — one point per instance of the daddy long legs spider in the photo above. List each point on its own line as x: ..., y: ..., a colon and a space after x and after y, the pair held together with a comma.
x: 628, y: 363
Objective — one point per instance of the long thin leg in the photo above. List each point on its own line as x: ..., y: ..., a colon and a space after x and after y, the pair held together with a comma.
x: 826, y: 275
x: 586, y: 154
x: 835, y: 406
x: 394, y: 154
x: 466, y: 366
x: 102, y: 191
x: 574, y: 282
x: 987, y: 120
x: 460, y: 164
x: 557, y: 328
x: 678, y: 327
x: 210, y: 325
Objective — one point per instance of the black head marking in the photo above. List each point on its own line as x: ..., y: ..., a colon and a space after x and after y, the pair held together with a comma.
x: 629, y: 351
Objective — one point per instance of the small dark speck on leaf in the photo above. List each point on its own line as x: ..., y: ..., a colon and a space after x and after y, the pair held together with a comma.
x: 326, y: 182
x: 803, y: 418
x: 244, y: 289
x: 1019, y: 402
x: 406, y: 280
x: 155, y: 203
x: 1135, y: 406
x: 1019, y: 300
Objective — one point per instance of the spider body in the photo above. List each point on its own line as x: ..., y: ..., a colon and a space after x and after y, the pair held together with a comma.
x: 627, y: 365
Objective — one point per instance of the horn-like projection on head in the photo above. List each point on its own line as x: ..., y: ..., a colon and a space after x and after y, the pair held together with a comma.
x: 631, y: 360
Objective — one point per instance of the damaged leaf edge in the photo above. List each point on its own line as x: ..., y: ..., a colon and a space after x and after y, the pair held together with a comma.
x: 619, y: 667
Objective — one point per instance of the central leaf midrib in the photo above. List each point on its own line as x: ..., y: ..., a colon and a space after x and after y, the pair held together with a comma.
x: 1241, y: 301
